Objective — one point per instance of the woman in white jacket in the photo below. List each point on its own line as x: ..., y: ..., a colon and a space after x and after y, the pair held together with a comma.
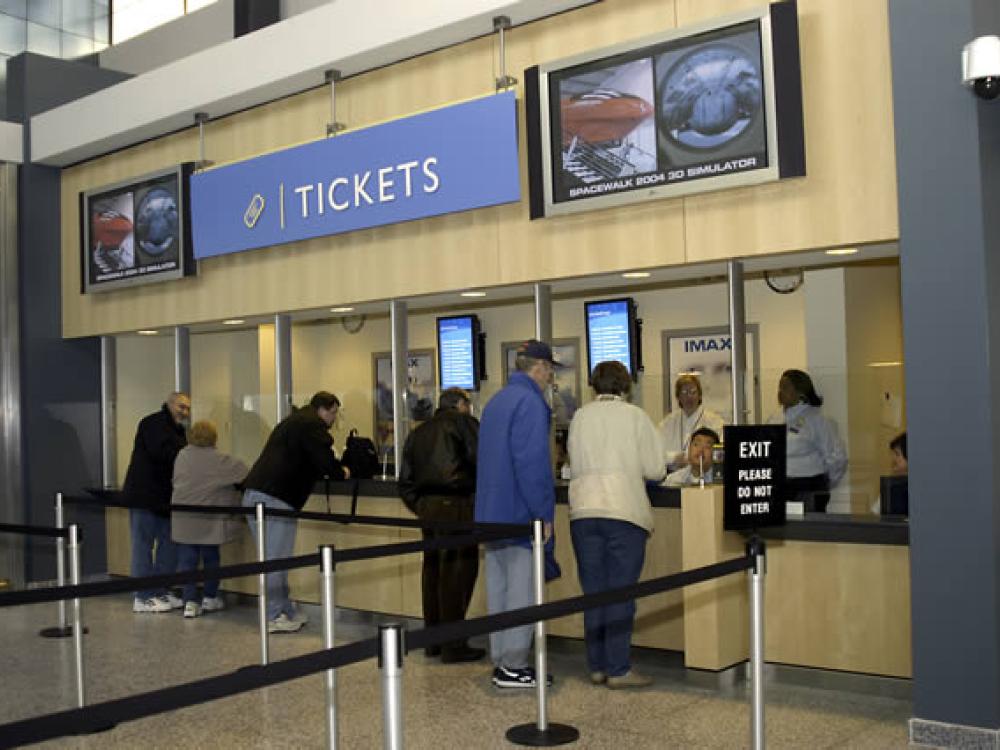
x: 816, y: 459
x: 613, y: 448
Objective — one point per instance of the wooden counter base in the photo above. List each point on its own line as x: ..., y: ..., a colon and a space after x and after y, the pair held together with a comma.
x: 829, y: 605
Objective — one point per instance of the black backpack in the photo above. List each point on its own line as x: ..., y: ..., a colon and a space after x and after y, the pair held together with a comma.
x: 360, y: 456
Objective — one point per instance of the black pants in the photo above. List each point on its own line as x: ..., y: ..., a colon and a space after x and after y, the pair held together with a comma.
x: 813, y: 492
x: 449, y: 575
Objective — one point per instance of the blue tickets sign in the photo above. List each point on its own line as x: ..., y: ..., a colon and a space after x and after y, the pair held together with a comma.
x: 439, y: 162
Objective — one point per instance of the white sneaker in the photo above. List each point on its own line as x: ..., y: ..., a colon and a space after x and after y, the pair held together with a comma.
x: 284, y: 624
x: 154, y: 604
x: 300, y: 616
x: 174, y: 602
x: 213, y: 604
x: 192, y: 609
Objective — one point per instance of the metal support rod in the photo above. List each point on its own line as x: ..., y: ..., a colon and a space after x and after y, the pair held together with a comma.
x: 738, y: 338
x: 500, y: 25
x: 329, y: 614
x: 543, y: 312
x: 400, y: 353
x: 61, y: 560
x: 333, y: 127
x: 74, y: 576
x: 756, y: 548
x: 201, y: 118
x: 391, y: 664
x: 109, y: 388
x: 262, y: 582
x: 283, y: 364
x: 541, y: 654
x: 182, y: 359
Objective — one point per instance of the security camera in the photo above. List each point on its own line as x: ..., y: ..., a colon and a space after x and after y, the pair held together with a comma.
x: 981, y: 66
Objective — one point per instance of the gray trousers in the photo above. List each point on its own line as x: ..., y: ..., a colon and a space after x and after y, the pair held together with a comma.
x: 509, y: 585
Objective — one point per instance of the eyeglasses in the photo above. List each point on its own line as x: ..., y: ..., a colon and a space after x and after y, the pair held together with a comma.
x: 688, y: 392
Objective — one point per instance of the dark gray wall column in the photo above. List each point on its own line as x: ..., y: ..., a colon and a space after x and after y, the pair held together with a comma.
x: 60, y: 379
x: 948, y: 157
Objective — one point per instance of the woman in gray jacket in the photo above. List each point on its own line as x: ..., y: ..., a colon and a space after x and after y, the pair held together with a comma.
x: 204, y: 476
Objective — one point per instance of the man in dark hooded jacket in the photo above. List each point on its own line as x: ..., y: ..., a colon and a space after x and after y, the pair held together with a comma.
x: 298, y: 453
x: 148, y: 483
x: 437, y: 480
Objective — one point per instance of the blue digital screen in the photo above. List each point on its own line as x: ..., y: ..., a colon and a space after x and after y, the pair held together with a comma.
x: 609, y: 333
x: 456, y: 353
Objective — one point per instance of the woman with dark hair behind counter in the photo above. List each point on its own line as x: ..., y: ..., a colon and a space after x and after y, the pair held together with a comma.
x: 816, y: 459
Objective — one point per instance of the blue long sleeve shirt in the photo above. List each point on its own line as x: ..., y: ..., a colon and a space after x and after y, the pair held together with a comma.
x: 514, y: 482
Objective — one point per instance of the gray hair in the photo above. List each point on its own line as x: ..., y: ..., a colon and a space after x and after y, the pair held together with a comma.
x: 524, y: 363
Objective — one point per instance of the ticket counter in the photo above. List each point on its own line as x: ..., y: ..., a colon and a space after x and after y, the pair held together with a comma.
x: 837, y: 588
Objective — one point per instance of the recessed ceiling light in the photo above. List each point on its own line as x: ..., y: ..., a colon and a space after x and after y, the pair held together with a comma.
x: 341, y: 309
x: 636, y: 275
x: 473, y: 294
x: 147, y: 332
x: 233, y: 322
x: 842, y: 251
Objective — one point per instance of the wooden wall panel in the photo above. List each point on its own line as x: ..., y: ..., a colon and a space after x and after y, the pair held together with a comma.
x: 849, y: 196
x: 849, y: 193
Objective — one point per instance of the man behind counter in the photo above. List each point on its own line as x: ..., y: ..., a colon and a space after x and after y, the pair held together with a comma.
x: 699, y: 460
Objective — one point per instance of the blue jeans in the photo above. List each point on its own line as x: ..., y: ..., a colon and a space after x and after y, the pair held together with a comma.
x: 509, y: 585
x: 188, y: 557
x: 149, y: 528
x: 609, y: 555
x: 279, y: 541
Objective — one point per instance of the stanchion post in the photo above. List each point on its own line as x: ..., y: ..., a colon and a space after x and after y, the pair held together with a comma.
x: 74, y: 574
x: 541, y: 734
x: 390, y: 661
x: 62, y: 628
x: 329, y: 613
x: 756, y: 549
x: 541, y: 653
x: 61, y: 559
x: 262, y: 582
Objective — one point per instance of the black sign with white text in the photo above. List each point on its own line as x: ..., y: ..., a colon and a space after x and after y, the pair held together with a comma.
x: 754, y: 477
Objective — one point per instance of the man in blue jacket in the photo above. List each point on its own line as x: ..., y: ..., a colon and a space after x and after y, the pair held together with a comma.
x: 514, y: 484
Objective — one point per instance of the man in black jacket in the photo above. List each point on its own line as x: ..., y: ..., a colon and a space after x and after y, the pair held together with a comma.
x: 149, y: 483
x: 297, y: 454
x: 437, y: 481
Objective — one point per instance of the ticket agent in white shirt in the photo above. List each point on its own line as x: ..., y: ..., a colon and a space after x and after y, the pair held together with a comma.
x: 678, y: 426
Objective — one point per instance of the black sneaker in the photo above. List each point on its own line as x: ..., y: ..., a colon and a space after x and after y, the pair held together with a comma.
x: 504, y: 677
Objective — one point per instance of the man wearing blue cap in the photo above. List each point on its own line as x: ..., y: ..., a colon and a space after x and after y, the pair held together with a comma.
x: 514, y: 484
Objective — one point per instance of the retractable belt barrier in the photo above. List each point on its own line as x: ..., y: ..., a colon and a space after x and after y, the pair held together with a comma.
x: 15, y: 528
x: 344, y: 518
x: 103, y: 588
x: 101, y: 715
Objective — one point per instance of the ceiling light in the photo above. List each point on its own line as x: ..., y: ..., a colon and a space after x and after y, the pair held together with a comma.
x: 473, y: 294
x: 636, y: 275
x: 147, y: 332
x: 341, y: 309
x: 842, y: 251
x: 885, y: 364
x: 233, y: 322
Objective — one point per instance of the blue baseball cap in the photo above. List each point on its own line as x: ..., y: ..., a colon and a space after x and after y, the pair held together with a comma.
x: 538, y: 350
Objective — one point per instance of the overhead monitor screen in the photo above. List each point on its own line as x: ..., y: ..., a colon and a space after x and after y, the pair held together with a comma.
x: 136, y: 232
x: 457, y: 352
x: 610, y: 333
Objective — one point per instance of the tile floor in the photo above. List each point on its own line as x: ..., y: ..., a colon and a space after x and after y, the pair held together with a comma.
x: 446, y: 706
